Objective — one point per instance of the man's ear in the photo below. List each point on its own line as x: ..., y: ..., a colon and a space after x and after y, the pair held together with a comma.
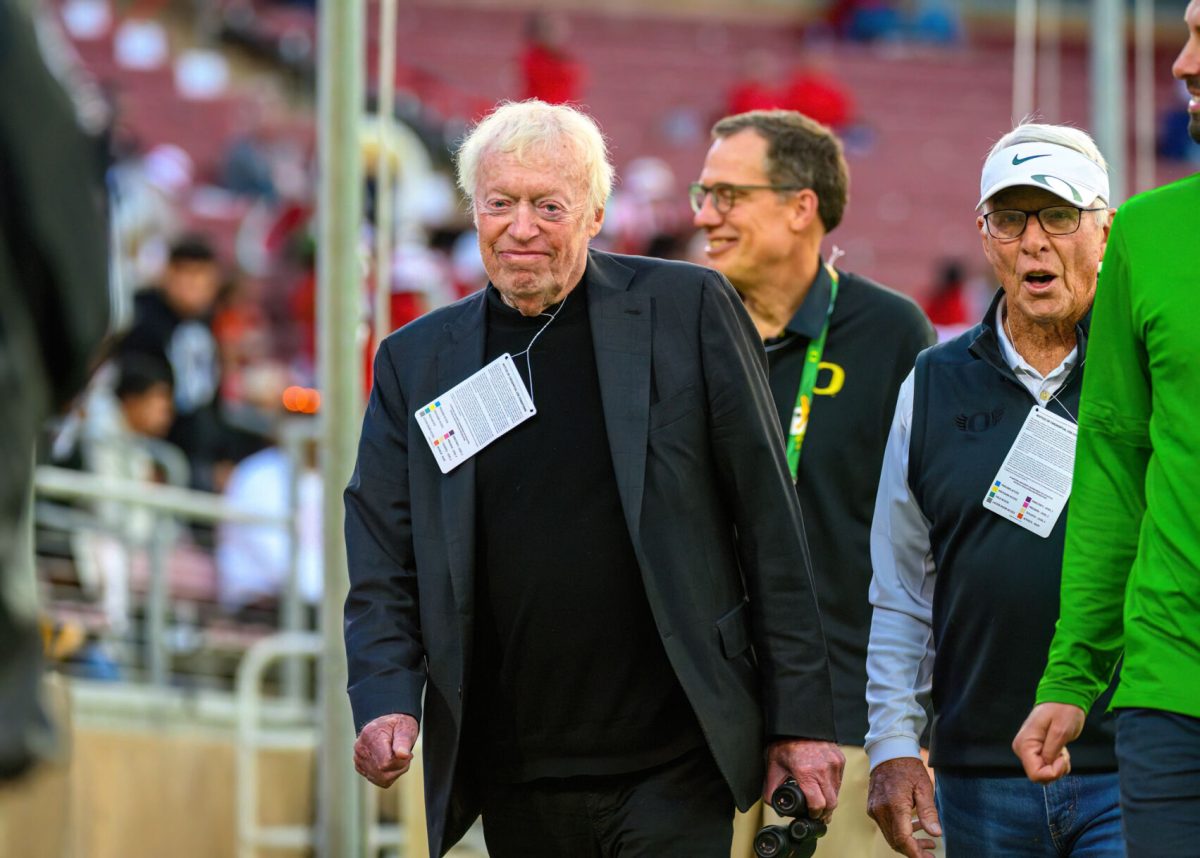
x: 1107, y: 229
x: 981, y: 225
x: 597, y: 223
x: 804, y: 209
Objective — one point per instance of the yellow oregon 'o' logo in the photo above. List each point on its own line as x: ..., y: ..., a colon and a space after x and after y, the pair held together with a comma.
x: 837, y: 378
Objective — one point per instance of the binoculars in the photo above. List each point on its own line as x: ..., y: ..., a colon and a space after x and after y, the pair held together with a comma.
x: 797, y: 839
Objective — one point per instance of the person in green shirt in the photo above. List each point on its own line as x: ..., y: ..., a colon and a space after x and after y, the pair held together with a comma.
x: 1131, y: 572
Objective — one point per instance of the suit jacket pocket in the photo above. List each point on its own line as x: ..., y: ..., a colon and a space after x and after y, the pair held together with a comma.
x: 734, y: 629
x: 676, y: 406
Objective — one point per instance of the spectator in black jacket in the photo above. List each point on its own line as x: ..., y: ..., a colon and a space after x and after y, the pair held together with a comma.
x: 174, y: 321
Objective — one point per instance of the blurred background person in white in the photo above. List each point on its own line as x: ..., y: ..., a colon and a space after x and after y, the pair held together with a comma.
x: 254, y: 560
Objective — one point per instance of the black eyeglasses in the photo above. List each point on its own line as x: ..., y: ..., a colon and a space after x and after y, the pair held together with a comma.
x: 725, y: 196
x: 1009, y: 224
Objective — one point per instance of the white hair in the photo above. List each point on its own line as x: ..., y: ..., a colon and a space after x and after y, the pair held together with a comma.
x: 531, y: 129
x: 1059, y: 135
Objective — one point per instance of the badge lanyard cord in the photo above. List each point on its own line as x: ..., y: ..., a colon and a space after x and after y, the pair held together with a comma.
x: 541, y: 330
x: 1053, y: 394
x: 1066, y: 410
x: 808, y: 382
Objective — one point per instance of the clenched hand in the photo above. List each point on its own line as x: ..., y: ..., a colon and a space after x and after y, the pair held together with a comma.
x: 1042, y: 742
x: 383, y: 751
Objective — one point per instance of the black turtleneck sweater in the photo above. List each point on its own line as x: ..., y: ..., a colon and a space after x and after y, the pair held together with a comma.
x: 569, y: 675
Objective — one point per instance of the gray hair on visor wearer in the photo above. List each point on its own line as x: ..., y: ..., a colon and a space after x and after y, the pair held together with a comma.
x: 533, y: 129
x: 1060, y: 135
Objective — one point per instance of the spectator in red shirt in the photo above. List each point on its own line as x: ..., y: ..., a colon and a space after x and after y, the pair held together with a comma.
x: 758, y: 88
x: 815, y: 92
x: 947, y: 305
x: 548, y: 72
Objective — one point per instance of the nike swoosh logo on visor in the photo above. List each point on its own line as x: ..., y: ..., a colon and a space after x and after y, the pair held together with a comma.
x: 1018, y: 160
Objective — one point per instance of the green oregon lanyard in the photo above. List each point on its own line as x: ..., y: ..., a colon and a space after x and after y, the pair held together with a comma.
x: 808, y: 381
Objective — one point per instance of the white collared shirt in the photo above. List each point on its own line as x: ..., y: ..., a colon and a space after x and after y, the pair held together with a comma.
x: 900, y: 653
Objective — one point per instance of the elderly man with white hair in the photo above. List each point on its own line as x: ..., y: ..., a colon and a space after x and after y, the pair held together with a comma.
x: 573, y: 541
x: 967, y: 537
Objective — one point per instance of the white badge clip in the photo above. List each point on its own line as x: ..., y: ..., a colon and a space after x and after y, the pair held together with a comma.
x: 475, y: 412
x: 1033, y: 484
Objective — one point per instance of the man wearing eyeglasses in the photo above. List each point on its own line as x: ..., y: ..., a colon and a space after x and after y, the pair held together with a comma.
x: 773, y: 185
x: 1131, y: 575
x: 967, y: 538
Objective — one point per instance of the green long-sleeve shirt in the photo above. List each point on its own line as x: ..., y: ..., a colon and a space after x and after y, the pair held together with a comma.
x: 1131, y: 570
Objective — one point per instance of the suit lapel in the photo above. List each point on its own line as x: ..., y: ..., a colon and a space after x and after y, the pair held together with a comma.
x: 621, y: 330
x: 460, y: 356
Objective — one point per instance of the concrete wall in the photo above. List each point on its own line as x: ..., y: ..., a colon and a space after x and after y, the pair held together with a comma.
x: 147, y: 795
x: 147, y: 787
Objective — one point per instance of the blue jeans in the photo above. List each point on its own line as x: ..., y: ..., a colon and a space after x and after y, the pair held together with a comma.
x: 1159, y: 755
x: 1011, y: 817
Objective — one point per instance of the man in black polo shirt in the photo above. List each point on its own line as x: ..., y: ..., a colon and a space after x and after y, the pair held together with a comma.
x: 969, y: 526
x: 573, y: 543
x: 774, y: 184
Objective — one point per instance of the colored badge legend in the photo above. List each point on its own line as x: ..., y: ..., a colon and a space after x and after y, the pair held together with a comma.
x: 474, y: 413
x: 1034, y: 480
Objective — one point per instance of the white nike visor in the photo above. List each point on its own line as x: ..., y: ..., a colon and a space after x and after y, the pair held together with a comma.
x: 1061, y: 170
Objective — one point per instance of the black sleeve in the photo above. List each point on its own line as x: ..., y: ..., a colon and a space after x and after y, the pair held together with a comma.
x: 384, y: 648
x: 748, y: 447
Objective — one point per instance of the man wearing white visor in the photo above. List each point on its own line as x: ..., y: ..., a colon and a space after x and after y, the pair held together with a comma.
x: 968, y: 532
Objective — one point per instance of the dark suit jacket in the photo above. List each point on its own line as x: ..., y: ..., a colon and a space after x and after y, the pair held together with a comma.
x: 709, y: 504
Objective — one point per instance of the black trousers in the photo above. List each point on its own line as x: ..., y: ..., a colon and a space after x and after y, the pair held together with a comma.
x: 682, y: 809
x: 1158, y: 755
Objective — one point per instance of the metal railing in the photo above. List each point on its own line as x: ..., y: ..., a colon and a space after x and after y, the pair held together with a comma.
x: 169, y: 505
x: 408, y: 836
x: 251, y: 738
